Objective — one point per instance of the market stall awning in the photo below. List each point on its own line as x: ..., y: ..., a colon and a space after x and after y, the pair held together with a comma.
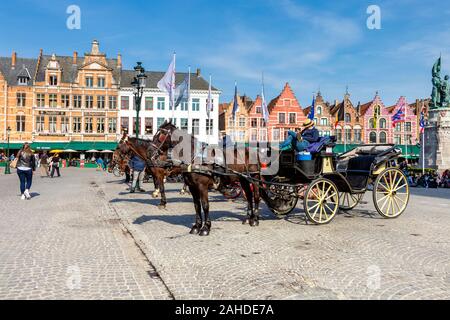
x: 74, y: 146
x: 4, y: 145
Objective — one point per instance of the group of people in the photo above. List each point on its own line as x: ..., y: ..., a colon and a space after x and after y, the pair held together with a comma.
x: 429, y: 179
x: 49, y: 165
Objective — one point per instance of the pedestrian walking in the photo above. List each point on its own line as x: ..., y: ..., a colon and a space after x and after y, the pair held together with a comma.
x: 55, y: 165
x: 44, y: 165
x: 137, y: 165
x: 26, y: 164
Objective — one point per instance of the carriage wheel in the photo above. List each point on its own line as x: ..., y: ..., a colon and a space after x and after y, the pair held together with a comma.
x: 279, y: 204
x: 117, y: 172
x: 233, y: 191
x: 321, y: 201
x: 391, y: 193
x: 347, y: 200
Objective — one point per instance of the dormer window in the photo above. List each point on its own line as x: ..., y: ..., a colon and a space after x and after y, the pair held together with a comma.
x: 89, y: 82
x: 53, y: 80
x: 22, y: 81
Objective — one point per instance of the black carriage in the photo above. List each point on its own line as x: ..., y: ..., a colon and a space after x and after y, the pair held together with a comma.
x: 329, y: 182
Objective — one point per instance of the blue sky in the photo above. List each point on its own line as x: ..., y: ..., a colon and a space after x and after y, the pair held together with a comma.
x: 309, y: 44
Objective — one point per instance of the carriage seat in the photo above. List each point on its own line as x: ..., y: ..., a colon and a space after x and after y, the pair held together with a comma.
x: 360, y: 163
x: 323, y: 142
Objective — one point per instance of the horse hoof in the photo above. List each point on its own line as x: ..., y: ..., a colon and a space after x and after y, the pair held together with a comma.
x: 245, y: 221
x: 204, y: 232
x: 254, y: 223
x: 194, y: 230
x: 161, y: 206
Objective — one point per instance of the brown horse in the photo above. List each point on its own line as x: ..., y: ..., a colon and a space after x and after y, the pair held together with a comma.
x: 203, y: 177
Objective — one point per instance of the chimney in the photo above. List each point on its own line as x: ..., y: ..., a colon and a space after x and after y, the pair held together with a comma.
x: 41, y: 52
x: 13, y: 60
x: 95, y: 47
x: 75, y: 57
x: 119, y: 61
x: 198, y: 72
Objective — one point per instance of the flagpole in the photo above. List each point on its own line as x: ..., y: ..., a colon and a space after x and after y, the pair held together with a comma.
x: 406, y: 134
x: 172, y: 95
x: 189, y: 99
x: 209, y: 111
x: 423, y: 138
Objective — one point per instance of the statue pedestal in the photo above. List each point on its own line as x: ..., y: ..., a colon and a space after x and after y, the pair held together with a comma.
x: 437, y: 140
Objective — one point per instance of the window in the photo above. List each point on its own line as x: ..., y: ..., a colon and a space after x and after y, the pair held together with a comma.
x: 382, y: 137
x: 52, y: 124
x: 76, y: 124
x: 209, y: 126
x: 161, y: 103
x: 53, y: 80
x: 40, y: 100
x: 408, y: 139
x: 53, y: 100
x: 100, y: 125
x: 148, y: 103
x: 77, y: 101
x: 22, y: 81
x: 184, y: 124
x: 159, y: 122
x: 124, y: 124
x: 357, y: 135
x: 21, y: 97
x: 339, y: 135
x: 195, y: 126
x: 184, y: 105
x: 89, y: 102
x: 212, y: 105
x: 101, y: 82
x: 292, y: 118
x: 371, y: 123
x: 258, y: 109
x: 112, y: 102
x: 195, y: 104
x: 231, y: 122
x: 373, y: 137
x: 276, y: 135
x: 254, y: 122
x: 20, y: 123
x: 263, y: 135
x: 382, y: 123
x: 324, y: 121
x: 88, y: 127
x: 319, y: 110
x: 254, y: 135
x: 64, y: 124
x: 148, y: 125
x: 112, y: 125
x: 40, y: 123
x: 408, y: 126
x: 174, y: 121
x: 398, y: 127
x: 347, y: 118
x: 315, y: 121
x: 397, y: 139
x: 281, y: 118
x: 138, y: 129
x: 242, y: 122
x: 89, y: 82
x: 262, y: 122
x: 65, y: 100
x: 100, y: 102
x: 348, y: 134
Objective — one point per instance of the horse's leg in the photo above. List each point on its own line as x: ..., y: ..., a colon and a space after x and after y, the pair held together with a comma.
x: 249, y: 196
x: 163, y: 202
x: 155, y: 194
x: 257, y: 200
x: 198, y: 209
x: 206, y: 227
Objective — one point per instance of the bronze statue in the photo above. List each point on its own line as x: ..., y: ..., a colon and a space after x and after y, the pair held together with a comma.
x: 440, y: 96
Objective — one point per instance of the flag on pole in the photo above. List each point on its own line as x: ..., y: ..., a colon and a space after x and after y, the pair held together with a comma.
x: 422, y: 120
x: 235, y: 102
x: 312, y: 111
x: 167, y: 83
x: 182, y: 92
x: 209, y: 104
x: 340, y: 114
x: 399, y: 116
x: 265, y: 111
x: 376, y: 114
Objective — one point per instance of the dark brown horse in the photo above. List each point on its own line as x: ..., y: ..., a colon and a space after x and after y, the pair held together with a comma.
x: 201, y: 178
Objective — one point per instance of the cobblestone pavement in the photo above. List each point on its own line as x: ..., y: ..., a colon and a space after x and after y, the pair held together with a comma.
x: 68, y: 243
x: 84, y: 236
x: 357, y: 256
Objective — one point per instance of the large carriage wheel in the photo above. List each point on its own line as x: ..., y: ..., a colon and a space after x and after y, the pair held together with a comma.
x: 321, y: 201
x: 347, y: 200
x: 391, y: 193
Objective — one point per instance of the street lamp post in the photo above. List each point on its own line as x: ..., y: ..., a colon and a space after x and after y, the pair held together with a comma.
x: 7, y: 168
x: 138, y: 84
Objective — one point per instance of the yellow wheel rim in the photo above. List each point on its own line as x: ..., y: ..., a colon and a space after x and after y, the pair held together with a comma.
x: 391, y: 193
x: 348, y: 201
x: 321, y: 201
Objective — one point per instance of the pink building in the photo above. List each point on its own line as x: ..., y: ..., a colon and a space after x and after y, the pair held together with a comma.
x: 376, y: 131
x: 404, y: 132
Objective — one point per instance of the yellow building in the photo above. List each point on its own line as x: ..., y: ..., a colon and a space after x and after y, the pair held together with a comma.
x: 65, y: 102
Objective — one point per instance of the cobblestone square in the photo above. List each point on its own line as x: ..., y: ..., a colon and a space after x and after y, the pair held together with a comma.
x: 83, y: 236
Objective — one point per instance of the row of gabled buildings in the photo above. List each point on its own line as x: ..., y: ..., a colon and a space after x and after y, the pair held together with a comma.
x: 359, y: 124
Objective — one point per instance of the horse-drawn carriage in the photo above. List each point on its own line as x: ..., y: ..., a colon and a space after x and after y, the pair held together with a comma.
x: 329, y: 182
